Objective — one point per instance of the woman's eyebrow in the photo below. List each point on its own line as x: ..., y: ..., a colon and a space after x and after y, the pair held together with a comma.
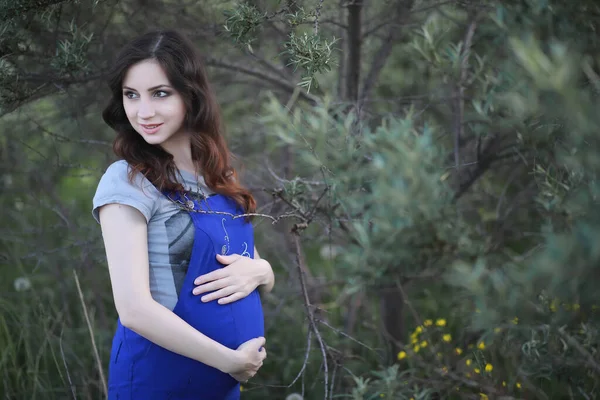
x: 151, y: 89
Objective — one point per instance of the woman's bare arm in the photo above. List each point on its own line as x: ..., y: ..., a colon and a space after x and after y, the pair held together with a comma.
x: 269, y: 278
x: 124, y: 230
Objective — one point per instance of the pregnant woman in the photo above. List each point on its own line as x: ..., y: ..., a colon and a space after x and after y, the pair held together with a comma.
x: 184, y: 271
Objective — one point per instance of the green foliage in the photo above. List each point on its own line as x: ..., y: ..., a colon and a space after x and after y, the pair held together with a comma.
x: 312, y: 54
x: 243, y: 23
x: 71, y: 54
x: 504, y: 275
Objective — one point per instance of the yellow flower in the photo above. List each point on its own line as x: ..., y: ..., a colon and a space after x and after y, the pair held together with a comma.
x: 439, y: 355
x: 497, y: 330
x: 445, y: 369
x: 576, y: 307
x: 515, y: 320
x: 440, y: 322
x: 518, y: 385
x: 458, y: 351
x: 241, y: 388
x: 477, y: 370
x: 489, y: 367
x: 468, y: 362
x: 481, y: 345
x: 402, y: 355
x: 553, y: 305
x: 382, y: 395
x: 483, y: 396
x: 447, y: 337
x: 414, y: 340
x: 428, y: 322
x: 418, y: 330
x: 468, y: 374
x: 416, y: 348
x: 504, y: 383
x: 424, y: 344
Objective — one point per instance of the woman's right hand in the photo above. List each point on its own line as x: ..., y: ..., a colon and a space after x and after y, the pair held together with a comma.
x: 249, y: 358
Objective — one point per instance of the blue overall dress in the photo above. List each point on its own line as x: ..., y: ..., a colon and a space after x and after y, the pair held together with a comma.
x: 142, y: 370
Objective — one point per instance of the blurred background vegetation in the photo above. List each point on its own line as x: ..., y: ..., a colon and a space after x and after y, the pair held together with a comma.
x: 428, y: 171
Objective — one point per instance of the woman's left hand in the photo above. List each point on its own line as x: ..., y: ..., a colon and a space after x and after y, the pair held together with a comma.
x: 240, y: 276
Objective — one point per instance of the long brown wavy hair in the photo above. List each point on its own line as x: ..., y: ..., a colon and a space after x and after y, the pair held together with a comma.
x: 184, y: 68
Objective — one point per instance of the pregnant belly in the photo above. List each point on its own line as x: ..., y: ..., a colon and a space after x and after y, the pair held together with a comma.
x: 229, y: 324
x: 139, y: 366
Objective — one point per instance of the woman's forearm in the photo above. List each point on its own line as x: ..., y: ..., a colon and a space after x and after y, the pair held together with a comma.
x: 164, y: 328
x: 268, y: 279
x: 125, y: 235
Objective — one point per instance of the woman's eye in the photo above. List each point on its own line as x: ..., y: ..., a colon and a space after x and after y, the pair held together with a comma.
x: 129, y: 95
x: 161, y: 93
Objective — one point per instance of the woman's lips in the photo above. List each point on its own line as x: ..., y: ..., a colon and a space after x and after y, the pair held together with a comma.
x: 150, y: 129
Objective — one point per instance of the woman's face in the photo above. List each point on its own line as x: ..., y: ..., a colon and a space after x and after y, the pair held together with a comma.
x: 154, y: 109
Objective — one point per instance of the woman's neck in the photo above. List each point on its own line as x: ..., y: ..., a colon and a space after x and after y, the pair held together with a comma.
x: 180, y: 147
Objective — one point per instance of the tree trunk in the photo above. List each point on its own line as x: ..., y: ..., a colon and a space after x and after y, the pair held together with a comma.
x: 353, y: 47
x: 392, y: 317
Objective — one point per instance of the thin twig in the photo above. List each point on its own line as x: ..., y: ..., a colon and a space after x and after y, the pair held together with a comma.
x: 339, y: 332
x: 283, y: 180
x: 308, y: 306
x: 460, y: 94
x: 68, y: 139
x: 237, y: 216
x: 317, y: 15
x: 64, y: 358
x: 313, y: 212
x: 89, y: 325
x: 305, y: 363
x: 265, y: 77
x: 591, y: 362
x: 333, y: 376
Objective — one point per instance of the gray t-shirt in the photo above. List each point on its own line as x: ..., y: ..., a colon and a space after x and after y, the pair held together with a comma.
x: 170, y: 229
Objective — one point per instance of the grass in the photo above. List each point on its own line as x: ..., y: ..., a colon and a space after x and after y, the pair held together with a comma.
x: 49, y: 351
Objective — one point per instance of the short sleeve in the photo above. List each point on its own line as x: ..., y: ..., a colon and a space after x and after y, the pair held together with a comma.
x: 115, y: 187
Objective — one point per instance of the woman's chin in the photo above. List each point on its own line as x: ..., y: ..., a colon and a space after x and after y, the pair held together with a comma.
x: 153, y: 139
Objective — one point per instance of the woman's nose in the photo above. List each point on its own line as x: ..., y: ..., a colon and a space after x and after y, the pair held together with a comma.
x: 146, y: 110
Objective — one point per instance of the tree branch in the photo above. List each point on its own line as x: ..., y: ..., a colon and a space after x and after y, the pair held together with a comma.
x: 384, y: 51
x: 282, y: 84
x: 459, y: 103
x: 16, y: 8
x: 354, y: 47
x: 308, y: 306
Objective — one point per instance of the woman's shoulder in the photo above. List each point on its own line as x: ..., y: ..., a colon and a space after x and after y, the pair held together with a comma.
x: 118, y: 186
x: 120, y: 172
x: 118, y: 168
